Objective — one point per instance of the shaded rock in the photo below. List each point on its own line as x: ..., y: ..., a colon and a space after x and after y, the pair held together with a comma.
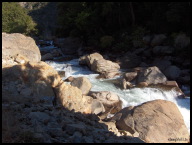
x: 151, y: 75
x: 142, y: 84
x: 69, y: 79
x: 26, y: 92
x: 147, y: 53
x: 158, y: 50
x: 158, y: 39
x: 55, y: 132
x: 110, y: 100
x: 15, y: 43
x: 181, y: 41
x: 147, y: 39
x: 47, y: 56
x: 71, y: 128
x: 109, y: 75
x: 143, y: 65
x: 139, y: 51
x: 56, y: 52
x: 172, y: 72
x: 72, y: 98
x: 155, y: 121
x: 82, y: 60
x: 129, y: 61
x: 61, y: 73
x: 39, y: 116
x: 184, y: 79
x: 43, y: 89
x: 161, y: 64
x: 129, y: 76
x: 83, y: 84
x: 112, y: 127
x: 97, y: 107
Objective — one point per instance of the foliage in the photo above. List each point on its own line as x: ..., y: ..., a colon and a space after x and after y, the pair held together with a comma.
x: 92, y: 20
x: 106, y: 41
x: 44, y: 14
x: 16, y: 20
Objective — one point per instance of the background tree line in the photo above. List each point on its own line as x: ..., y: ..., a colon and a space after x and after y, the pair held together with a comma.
x: 100, y: 24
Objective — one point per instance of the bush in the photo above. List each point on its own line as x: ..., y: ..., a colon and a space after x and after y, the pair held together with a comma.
x: 16, y: 20
x: 106, y: 41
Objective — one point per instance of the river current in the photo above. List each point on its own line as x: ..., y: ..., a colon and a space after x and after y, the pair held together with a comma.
x: 129, y: 97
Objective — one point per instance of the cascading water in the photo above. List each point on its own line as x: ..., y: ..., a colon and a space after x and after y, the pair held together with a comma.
x: 129, y: 97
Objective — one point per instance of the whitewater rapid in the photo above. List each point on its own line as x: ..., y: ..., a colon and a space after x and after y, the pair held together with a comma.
x: 129, y: 97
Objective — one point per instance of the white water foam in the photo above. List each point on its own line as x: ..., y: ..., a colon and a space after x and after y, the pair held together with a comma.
x: 130, y: 97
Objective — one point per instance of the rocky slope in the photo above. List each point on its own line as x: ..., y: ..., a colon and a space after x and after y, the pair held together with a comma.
x: 38, y: 106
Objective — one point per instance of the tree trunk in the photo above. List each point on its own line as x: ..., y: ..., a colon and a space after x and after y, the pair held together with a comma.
x: 132, y: 13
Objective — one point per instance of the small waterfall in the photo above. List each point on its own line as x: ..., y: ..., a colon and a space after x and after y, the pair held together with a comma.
x: 68, y: 70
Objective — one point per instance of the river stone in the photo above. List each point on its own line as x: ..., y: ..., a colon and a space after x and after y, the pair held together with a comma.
x: 172, y: 72
x: 156, y: 122
x: 129, y: 76
x: 108, y: 68
x: 91, y: 57
x: 129, y: 61
x: 181, y: 41
x: 15, y: 43
x: 47, y: 56
x: 158, y: 39
x: 151, y: 75
x: 161, y: 63
x: 83, y: 84
x: 39, y: 116
x: 110, y: 100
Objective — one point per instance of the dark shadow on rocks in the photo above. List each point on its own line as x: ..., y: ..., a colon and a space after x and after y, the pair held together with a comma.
x: 31, y: 118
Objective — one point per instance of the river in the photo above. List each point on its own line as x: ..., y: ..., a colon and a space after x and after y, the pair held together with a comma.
x: 129, y: 97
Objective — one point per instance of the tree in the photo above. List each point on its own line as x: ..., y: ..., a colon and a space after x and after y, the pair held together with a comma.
x: 16, y: 20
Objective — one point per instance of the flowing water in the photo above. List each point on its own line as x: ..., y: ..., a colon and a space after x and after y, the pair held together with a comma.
x: 130, y: 97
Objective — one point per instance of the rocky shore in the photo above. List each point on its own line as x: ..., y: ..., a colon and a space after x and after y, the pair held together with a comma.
x: 38, y: 106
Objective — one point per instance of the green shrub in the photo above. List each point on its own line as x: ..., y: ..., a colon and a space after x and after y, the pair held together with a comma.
x: 106, y: 41
x: 16, y: 20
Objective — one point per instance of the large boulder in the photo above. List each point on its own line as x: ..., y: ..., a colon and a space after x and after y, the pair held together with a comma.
x: 110, y: 100
x: 108, y: 68
x: 83, y: 84
x: 97, y: 63
x: 38, y: 78
x: 151, y: 75
x: 157, y: 121
x: 14, y: 60
x: 172, y: 72
x: 13, y: 44
x: 91, y: 57
x: 72, y: 98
